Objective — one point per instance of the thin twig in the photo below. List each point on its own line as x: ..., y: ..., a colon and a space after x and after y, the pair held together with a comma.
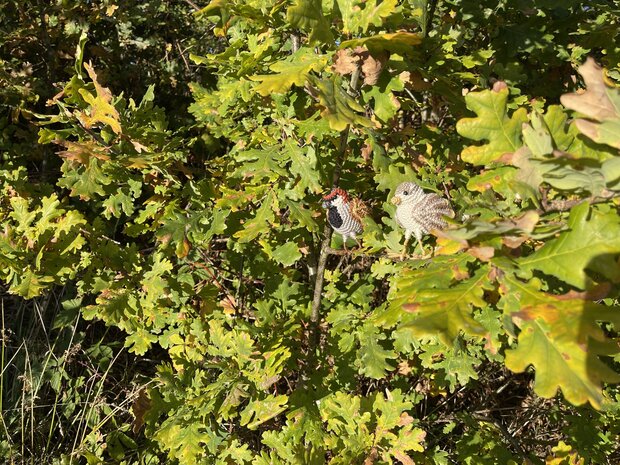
x: 509, y: 437
x: 193, y: 5
x: 182, y: 55
x: 323, y: 255
x: 561, y: 205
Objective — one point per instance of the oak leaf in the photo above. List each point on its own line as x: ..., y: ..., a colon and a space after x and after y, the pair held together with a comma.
x: 599, y: 103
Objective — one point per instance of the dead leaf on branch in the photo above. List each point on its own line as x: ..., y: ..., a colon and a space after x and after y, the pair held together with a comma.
x: 414, y: 80
x: 83, y: 151
x: 359, y: 210
x: 366, y: 151
x: 599, y: 102
x: 372, y: 66
x: 482, y: 253
x: 347, y: 61
x: 595, y: 102
x: 139, y: 409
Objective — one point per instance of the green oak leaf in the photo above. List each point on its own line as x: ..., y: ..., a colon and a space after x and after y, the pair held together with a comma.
x: 564, y: 177
x: 84, y: 181
x: 441, y: 272
x: 260, y: 164
x: 286, y: 254
x: 611, y: 171
x: 359, y: 15
x: 560, y: 336
x: 258, y: 412
x: 341, y: 110
x: 140, y: 341
x: 184, y: 442
x: 498, y: 179
x: 301, y: 215
x: 308, y: 16
x: 401, y: 42
x: 492, y: 124
x: 445, y: 312
x: 567, y: 138
x: 385, y: 102
x: 290, y: 72
x: 303, y: 164
x: 30, y: 285
x: 374, y: 358
x: 593, y: 235
x: 261, y: 221
x: 537, y: 137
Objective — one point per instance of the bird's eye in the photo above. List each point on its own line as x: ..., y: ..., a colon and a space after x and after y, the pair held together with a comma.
x: 406, y: 193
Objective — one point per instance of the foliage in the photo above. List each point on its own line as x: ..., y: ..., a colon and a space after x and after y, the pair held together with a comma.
x: 199, y: 236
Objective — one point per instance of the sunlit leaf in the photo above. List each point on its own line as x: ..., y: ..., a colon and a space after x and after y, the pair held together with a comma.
x: 101, y: 110
x: 259, y: 411
x: 560, y: 336
x: 307, y: 15
x: 593, y: 236
x: 359, y: 16
x: 293, y: 71
x: 600, y: 103
x: 341, y: 109
x: 492, y: 124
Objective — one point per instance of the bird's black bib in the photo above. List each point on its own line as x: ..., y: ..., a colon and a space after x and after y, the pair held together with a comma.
x: 334, y: 217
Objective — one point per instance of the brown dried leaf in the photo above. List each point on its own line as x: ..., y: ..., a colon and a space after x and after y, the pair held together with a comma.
x: 82, y: 152
x: 371, y: 457
x: 404, y: 458
x: 345, y: 62
x: 405, y: 419
x: 404, y: 368
x: 229, y: 304
x: 55, y: 98
x: 366, y: 151
x: 482, y: 253
x: 139, y: 408
x: 139, y: 147
x: 102, y: 92
x: 414, y: 80
x: 527, y: 221
x: 512, y: 242
x: 372, y: 67
x: 498, y: 86
x: 596, y: 293
x: 595, y: 102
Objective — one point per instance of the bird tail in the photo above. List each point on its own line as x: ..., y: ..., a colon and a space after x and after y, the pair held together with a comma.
x: 359, y: 210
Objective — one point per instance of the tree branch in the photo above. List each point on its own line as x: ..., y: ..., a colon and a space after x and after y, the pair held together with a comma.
x: 430, y: 12
x: 325, y: 251
x: 193, y: 5
x: 561, y: 205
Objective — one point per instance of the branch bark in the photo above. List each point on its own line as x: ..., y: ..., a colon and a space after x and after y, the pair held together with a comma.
x: 430, y: 12
x: 325, y: 252
x: 314, y: 335
x: 561, y: 205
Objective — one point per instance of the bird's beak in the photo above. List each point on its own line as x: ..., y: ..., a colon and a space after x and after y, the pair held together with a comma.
x: 395, y: 200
